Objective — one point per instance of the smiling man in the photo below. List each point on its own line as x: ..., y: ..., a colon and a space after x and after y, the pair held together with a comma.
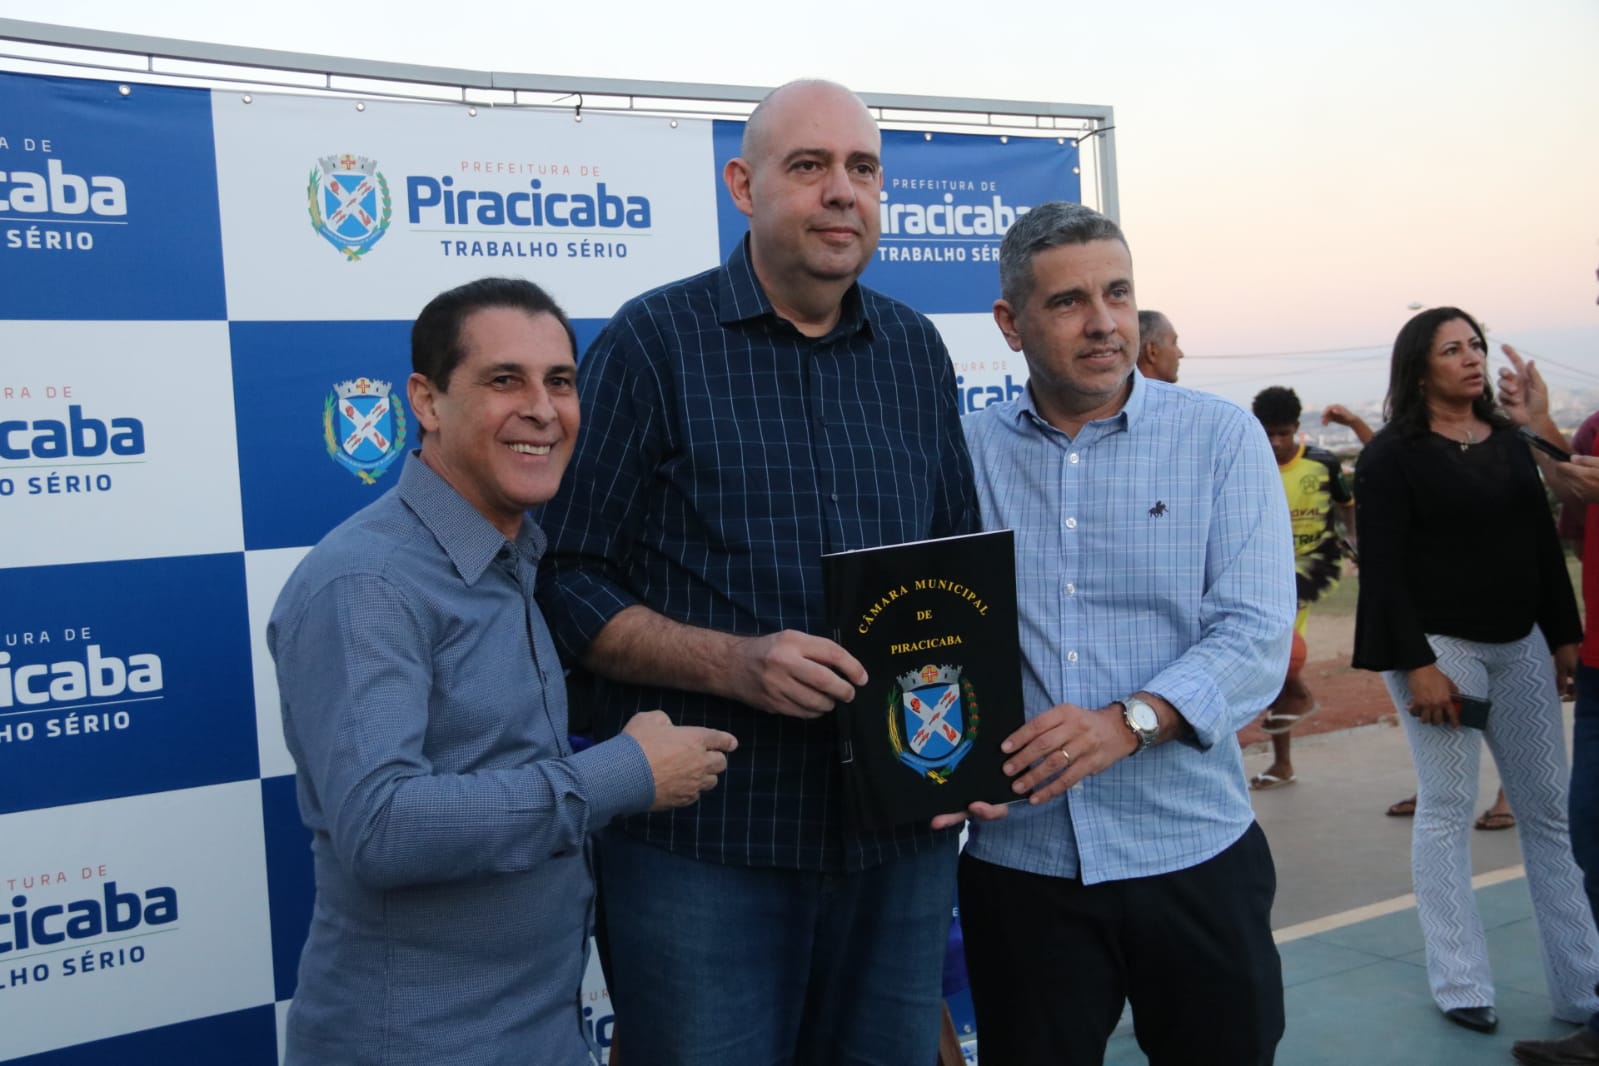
x: 1155, y: 625
x: 426, y: 713
x: 742, y: 423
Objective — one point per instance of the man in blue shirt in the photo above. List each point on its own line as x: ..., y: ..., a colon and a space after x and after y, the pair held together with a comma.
x: 740, y: 424
x: 426, y: 712
x: 1157, y: 599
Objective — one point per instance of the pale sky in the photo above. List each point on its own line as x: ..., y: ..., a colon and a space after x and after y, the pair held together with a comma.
x: 1292, y: 176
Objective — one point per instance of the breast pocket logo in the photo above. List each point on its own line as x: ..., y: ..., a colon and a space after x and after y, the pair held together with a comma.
x: 363, y: 425
x: 349, y: 203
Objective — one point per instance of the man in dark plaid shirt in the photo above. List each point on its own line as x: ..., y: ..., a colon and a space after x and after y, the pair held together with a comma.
x: 739, y: 424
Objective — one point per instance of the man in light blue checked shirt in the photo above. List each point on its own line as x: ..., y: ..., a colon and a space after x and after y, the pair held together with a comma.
x: 1157, y: 599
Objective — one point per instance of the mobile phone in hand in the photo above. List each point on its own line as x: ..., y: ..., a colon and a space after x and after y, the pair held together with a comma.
x: 1549, y: 448
x: 1473, y: 712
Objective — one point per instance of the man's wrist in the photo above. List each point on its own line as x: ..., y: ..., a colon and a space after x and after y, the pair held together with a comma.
x: 1142, y: 721
x: 1173, y: 726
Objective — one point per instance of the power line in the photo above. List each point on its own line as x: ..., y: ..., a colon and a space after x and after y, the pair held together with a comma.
x: 1303, y: 351
x: 1381, y: 351
x: 1581, y: 371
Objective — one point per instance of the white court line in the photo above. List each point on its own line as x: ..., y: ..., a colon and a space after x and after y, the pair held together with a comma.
x: 1383, y: 907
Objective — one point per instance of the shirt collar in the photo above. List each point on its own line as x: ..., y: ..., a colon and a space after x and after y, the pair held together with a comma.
x: 1131, y: 413
x: 740, y: 298
x: 468, y: 538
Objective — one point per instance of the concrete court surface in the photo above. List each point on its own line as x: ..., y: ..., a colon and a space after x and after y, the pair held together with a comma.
x: 1353, y: 966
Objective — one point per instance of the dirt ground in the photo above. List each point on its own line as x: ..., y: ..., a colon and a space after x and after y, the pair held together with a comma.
x: 1348, y: 697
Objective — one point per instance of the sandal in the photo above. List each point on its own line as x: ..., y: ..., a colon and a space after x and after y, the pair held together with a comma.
x: 1492, y: 820
x: 1405, y: 808
x: 1277, y: 722
x: 1262, y: 782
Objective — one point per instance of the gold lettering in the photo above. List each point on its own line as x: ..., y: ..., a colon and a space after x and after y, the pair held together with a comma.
x: 877, y: 608
x: 949, y: 641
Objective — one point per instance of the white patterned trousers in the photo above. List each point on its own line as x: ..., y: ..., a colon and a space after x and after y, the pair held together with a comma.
x: 1525, y: 735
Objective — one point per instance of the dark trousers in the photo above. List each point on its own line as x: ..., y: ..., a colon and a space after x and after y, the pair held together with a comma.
x: 1052, y: 961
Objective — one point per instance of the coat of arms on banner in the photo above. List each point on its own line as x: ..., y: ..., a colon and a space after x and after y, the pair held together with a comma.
x: 925, y: 714
x: 364, y: 427
x: 349, y: 203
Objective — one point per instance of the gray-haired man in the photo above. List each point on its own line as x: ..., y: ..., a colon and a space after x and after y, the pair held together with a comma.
x: 1158, y: 354
x: 1156, y: 626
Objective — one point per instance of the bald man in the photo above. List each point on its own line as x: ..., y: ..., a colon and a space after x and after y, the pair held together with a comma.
x: 739, y: 424
x: 1158, y: 354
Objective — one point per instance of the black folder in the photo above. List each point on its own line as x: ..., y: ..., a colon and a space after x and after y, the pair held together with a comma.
x: 934, y: 623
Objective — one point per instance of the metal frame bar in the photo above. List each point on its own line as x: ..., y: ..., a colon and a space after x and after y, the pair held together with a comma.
x: 1090, y: 123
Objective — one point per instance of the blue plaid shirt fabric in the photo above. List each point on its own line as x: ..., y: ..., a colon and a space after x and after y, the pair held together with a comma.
x: 722, y: 453
x: 1153, y: 553
x: 423, y: 704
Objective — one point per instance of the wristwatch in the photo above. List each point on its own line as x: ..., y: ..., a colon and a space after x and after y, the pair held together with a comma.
x: 1142, y: 720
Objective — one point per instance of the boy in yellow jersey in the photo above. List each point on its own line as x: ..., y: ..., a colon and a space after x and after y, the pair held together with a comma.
x: 1317, y: 492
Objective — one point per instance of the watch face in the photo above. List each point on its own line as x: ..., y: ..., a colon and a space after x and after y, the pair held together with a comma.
x: 1143, y: 716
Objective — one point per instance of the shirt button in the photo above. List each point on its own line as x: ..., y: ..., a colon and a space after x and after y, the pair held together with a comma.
x: 1071, y: 656
x: 1071, y: 523
x: 833, y: 496
x: 1073, y: 458
x: 1071, y: 589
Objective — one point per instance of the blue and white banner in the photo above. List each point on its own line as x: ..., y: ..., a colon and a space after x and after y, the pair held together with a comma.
x: 116, y: 441
x: 330, y: 213
x: 204, y: 348
x: 309, y: 457
x: 108, y: 203
x: 120, y: 678
x: 986, y: 370
x: 946, y: 203
x: 126, y: 915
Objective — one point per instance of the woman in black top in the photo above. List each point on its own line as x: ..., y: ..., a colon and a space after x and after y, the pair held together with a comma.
x: 1464, y: 592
